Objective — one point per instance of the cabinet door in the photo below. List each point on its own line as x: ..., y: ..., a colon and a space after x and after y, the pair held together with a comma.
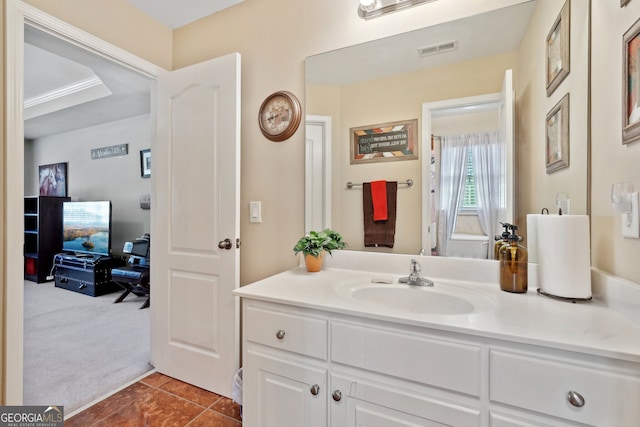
x: 497, y: 419
x: 283, y: 393
x: 364, y: 402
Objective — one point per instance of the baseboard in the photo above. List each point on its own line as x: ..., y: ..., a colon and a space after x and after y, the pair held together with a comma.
x: 111, y: 393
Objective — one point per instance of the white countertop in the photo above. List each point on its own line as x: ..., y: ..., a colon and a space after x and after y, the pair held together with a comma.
x: 592, y: 327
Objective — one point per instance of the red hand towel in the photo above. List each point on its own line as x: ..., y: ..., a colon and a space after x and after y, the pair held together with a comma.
x: 379, y: 200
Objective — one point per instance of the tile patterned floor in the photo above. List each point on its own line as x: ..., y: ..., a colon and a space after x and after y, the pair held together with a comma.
x: 159, y: 400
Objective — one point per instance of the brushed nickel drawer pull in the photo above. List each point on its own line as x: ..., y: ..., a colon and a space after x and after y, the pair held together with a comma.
x: 337, y: 395
x: 280, y: 334
x: 575, y: 399
x: 315, y: 389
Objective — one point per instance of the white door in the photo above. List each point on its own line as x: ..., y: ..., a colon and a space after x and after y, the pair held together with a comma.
x: 317, y: 187
x: 195, y: 226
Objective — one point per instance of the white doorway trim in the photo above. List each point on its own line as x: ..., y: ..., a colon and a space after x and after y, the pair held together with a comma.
x: 19, y: 14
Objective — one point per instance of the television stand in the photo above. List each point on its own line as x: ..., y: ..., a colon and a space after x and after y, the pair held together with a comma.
x: 86, y: 273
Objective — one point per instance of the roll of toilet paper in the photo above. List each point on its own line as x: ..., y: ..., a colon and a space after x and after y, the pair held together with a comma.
x: 564, y: 260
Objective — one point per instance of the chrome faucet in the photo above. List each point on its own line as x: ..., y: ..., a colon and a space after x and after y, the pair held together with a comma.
x: 415, y: 278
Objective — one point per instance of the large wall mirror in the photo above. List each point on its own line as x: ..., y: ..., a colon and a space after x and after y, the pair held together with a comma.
x: 450, y: 78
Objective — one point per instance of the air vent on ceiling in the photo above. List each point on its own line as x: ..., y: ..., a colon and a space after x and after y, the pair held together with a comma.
x: 438, y: 48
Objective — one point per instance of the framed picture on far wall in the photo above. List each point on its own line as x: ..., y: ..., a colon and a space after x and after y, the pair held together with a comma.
x: 53, y: 179
x: 145, y: 163
x: 631, y: 84
x: 557, y: 136
x: 558, y: 49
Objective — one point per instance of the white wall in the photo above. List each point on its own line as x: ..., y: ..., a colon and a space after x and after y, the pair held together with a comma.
x: 535, y: 188
x: 114, y: 178
x: 611, y: 161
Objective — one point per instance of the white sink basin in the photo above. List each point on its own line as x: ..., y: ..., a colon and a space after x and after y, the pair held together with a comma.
x: 437, y: 300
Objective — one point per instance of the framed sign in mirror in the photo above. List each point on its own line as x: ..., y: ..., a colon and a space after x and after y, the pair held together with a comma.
x: 384, y: 142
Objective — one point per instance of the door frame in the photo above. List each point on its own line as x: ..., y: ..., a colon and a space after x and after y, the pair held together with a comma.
x: 19, y: 14
x: 492, y: 101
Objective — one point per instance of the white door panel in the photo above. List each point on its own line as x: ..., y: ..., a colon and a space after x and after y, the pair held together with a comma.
x: 317, y: 188
x: 196, y: 173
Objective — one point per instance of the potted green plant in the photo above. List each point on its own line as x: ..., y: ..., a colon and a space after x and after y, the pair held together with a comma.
x: 314, y: 245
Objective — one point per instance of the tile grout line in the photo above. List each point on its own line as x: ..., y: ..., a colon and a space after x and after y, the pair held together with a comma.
x: 205, y: 408
x: 150, y: 387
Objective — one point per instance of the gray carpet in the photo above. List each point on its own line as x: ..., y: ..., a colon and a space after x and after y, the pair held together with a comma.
x: 77, y: 348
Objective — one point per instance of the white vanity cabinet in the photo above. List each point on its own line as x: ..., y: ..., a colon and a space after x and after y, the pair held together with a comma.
x: 375, y: 401
x: 308, y: 368
x: 285, y: 371
x: 281, y: 392
x: 305, y: 367
x: 590, y: 390
x: 382, y: 375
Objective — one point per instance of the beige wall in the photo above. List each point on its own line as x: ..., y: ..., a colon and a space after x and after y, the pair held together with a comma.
x: 274, y: 37
x: 390, y: 99
x: 117, y: 22
x: 297, y: 29
x: 611, y: 161
x: 113, y: 178
x: 535, y: 188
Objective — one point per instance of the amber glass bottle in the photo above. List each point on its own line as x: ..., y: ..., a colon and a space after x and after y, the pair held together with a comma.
x: 513, y: 266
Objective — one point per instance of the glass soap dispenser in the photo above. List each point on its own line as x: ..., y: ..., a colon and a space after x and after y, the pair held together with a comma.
x: 513, y: 265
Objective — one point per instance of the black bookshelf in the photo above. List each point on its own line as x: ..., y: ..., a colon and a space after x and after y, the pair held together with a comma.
x: 42, y: 235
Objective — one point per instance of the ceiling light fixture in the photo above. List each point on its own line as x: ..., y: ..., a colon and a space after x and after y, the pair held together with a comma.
x: 369, y: 9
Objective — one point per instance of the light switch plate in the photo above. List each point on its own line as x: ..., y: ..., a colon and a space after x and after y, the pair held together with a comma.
x: 255, y: 211
x: 631, y: 221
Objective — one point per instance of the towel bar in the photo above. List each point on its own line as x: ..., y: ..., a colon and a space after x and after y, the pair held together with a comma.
x: 408, y: 183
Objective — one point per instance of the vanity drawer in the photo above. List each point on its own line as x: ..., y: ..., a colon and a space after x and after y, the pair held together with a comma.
x: 543, y: 385
x: 286, y: 331
x: 415, y: 357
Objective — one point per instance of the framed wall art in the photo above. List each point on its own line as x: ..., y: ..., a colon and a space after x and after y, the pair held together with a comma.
x: 384, y: 142
x: 631, y: 84
x: 53, y: 179
x: 145, y: 163
x: 558, y: 49
x: 557, y: 136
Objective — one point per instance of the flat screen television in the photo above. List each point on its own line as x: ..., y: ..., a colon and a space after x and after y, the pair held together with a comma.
x: 86, y: 227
